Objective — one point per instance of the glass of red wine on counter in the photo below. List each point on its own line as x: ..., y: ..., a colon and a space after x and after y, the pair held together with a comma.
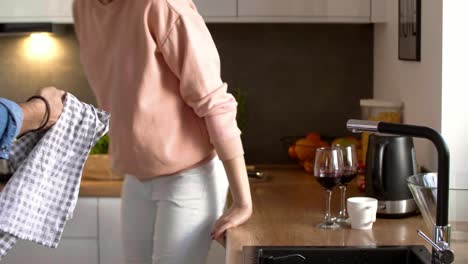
x: 350, y: 169
x: 328, y: 170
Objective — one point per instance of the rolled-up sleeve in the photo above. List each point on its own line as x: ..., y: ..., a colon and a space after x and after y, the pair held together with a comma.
x: 190, y: 52
x: 11, y: 118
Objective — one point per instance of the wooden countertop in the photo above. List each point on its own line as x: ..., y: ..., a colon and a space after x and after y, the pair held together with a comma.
x: 90, y: 188
x: 287, y: 206
x: 291, y: 203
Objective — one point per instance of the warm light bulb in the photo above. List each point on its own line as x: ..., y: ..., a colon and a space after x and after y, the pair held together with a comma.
x: 40, y: 46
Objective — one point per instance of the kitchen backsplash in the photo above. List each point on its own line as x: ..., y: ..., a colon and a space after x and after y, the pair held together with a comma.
x: 24, y: 68
x: 295, y: 78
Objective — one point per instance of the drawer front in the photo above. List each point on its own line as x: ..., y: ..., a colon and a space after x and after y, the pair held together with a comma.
x: 110, y: 238
x: 305, y: 8
x: 69, y: 251
x: 84, y: 223
x: 210, y: 8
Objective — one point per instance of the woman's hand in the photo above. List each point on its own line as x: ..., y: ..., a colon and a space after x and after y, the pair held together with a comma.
x: 55, y: 98
x: 233, y: 217
x: 241, y: 208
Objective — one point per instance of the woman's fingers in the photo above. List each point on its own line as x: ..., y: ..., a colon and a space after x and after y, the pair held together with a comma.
x: 222, y: 240
x: 220, y: 227
x: 234, y: 217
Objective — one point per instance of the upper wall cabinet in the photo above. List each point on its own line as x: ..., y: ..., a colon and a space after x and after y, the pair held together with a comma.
x: 60, y: 11
x: 306, y: 10
x: 255, y: 11
x: 217, y: 8
x: 23, y: 11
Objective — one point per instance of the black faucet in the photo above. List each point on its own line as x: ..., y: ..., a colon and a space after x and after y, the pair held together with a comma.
x: 441, y: 251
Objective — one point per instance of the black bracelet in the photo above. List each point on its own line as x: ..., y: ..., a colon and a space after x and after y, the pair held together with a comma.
x: 47, y: 114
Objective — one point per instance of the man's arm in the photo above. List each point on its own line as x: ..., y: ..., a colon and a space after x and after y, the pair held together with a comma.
x: 17, y: 119
x: 11, y: 118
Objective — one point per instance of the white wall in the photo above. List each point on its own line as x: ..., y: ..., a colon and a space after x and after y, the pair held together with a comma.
x: 434, y: 91
x: 416, y: 84
x: 455, y: 89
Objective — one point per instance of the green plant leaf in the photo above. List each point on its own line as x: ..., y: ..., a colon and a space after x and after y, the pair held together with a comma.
x: 102, y: 146
x: 241, y: 98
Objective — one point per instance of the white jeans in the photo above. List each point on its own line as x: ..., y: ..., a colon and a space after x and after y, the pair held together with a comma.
x: 168, y: 220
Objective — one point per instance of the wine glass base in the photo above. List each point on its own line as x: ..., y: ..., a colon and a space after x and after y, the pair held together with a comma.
x: 342, y: 221
x: 326, y: 225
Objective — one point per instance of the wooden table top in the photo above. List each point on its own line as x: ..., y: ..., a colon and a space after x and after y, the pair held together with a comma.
x: 289, y: 205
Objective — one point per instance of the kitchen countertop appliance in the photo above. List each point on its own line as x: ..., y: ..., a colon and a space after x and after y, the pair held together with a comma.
x: 441, y: 251
x: 390, y: 161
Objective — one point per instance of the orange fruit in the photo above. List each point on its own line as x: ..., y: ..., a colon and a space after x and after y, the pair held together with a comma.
x: 309, y: 166
x: 322, y: 144
x: 313, y: 136
x: 305, y: 149
x: 292, y: 152
x: 301, y: 163
x: 346, y: 141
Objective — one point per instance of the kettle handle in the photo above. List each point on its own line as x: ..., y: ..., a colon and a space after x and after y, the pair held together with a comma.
x: 378, y: 168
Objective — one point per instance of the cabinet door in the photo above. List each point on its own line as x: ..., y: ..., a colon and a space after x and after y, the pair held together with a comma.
x: 61, y: 11
x: 69, y: 251
x: 110, y: 238
x: 84, y: 223
x: 23, y: 10
x: 35, y: 11
x: 304, y: 8
x: 78, y: 244
x: 217, y: 8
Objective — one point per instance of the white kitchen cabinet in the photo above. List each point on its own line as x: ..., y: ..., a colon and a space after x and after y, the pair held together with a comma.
x: 79, y: 243
x: 93, y: 236
x: 23, y: 10
x: 110, y: 238
x: 60, y: 11
x: 70, y: 251
x: 84, y: 223
x: 232, y: 11
x: 35, y: 11
x: 216, y: 8
x: 306, y: 10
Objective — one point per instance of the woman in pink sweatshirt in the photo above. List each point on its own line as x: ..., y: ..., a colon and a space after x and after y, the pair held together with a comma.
x: 153, y: 65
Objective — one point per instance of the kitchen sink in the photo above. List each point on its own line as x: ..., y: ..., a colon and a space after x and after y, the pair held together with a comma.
x: 336, y: 255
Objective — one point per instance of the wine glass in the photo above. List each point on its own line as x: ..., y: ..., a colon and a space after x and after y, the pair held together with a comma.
x: 328, y: 169
x: 350, y: 169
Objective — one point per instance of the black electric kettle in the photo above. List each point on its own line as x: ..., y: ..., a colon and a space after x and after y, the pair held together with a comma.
x: 389, y: 161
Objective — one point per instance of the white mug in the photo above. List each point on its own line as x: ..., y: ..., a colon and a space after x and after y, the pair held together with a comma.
x: 362, y: 212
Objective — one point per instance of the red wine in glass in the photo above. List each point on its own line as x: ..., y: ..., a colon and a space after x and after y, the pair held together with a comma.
x: 328, y: 180
x: 350, y: 169
x: 328, y: 169
x: 348, y: 175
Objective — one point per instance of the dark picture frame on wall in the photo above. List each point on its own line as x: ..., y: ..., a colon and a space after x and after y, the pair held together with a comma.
x: 409, y: 30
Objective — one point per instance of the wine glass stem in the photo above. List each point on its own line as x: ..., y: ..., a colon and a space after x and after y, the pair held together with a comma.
x: 328, y: 209
x: 343, y: 212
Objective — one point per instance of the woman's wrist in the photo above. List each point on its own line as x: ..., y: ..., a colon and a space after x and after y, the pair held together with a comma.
x: 243, y: 205
x: 238, y: 182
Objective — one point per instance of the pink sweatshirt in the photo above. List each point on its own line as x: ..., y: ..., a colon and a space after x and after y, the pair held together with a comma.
x: 154, y: 66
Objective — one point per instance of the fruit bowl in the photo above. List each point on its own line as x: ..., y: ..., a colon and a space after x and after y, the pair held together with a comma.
x: 302, y: 148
